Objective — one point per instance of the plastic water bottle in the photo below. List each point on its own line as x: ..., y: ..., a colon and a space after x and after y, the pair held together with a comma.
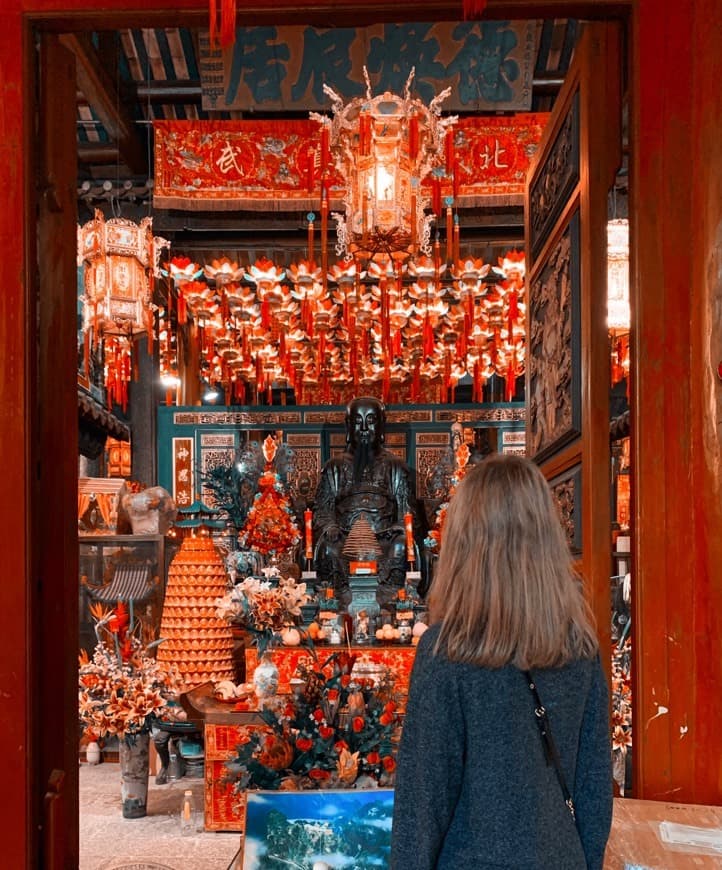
x: 187, y: 814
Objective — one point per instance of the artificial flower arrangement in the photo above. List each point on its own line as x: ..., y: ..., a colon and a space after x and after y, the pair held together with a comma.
x: 265, y: 608
x: 621, y: 710
x: 340, y: 731
x: 122, y: 690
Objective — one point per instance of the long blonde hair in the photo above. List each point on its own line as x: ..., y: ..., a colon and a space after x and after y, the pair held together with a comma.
x: 504, y: 588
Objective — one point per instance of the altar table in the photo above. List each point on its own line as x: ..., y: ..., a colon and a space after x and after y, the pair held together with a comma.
x: 226, y: 728
x: 399, y: 658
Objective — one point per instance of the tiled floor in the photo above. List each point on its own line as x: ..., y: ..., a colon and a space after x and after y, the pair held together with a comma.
x: 110, y: 842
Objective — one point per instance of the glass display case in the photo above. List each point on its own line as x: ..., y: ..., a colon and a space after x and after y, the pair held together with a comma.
x: 128, y: 568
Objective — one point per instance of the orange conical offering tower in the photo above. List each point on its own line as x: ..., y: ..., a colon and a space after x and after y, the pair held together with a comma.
x: 197, y: 642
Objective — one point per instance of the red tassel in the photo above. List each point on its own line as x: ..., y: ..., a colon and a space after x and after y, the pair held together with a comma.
x: 428, y: 337
x: 513, y: 306
x: 311, y: 156
x: 213, y: 23
x: 413, y: 137
x: 449, y: 149
x: 324, y: 148
x: 473, y: 8
x: 228, y: 23
x: 510, y: 382
x: 397, y: 344
x: 86, y: 353
x: 436, y: 196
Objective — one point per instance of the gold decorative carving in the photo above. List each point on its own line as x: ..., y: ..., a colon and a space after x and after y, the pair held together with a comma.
x: 427, y: 458
x: 210, y: 458
x: 408, y: 416
x: 512, y: 437
x: 432, y: 438
x: 514, y: 414
x: 320, y: 417
x: 303, y: 439
x: 236, y: 418
x: 564, y: 493
x: 218, y: 439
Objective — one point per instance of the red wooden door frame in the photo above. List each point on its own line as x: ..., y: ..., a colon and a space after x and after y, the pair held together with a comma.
x: 675, y: 118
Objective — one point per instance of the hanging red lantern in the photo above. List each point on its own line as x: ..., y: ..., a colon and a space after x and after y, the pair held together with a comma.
x: 473, y: 9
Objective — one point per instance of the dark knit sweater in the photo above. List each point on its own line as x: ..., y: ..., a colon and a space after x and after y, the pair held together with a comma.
x: 473, y: 789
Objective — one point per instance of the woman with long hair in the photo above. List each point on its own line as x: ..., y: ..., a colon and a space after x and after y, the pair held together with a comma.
x: 505, y: 756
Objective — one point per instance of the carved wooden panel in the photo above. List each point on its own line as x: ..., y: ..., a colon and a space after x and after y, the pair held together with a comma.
x: 512, y: 437
x: 567, y: 493
x: 554, y: 394
x: 219, y: 454
x: 218, y: 439
x: 427, y: 459
x: 432, y: 438
x: 304, y: 479
x: 235, y: 418
x: 303, y: 439
x: 514, y: 414
x: 550, y: 190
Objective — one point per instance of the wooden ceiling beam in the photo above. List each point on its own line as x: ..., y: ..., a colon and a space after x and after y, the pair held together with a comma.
x: 102, y: 95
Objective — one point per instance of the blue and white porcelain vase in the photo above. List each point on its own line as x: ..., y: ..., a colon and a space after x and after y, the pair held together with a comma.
x: 134, y: 755
x: 265, y: 678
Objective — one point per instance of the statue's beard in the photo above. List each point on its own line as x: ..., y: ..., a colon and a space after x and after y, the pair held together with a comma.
x: 362, y: 458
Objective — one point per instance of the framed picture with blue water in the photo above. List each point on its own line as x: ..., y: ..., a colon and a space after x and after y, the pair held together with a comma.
x: 320, y: 829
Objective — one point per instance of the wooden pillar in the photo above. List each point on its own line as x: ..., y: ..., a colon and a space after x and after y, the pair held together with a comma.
x: 676, y: 245
x: 15, y: 743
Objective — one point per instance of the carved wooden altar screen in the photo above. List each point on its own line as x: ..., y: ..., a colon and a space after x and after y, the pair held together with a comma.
x: 568, y: 359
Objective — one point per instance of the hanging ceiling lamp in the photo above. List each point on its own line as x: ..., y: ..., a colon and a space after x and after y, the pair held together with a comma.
x: 618, y: 316
x: 384, y: 147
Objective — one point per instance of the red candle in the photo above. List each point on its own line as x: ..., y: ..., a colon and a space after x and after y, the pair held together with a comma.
x: 409, y: 528
x: 308, y: 523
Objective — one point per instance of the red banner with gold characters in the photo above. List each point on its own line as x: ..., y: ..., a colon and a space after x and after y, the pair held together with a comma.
x: 216, y: 165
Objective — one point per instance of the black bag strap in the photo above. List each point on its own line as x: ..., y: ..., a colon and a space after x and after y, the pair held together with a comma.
x: 550, y: 748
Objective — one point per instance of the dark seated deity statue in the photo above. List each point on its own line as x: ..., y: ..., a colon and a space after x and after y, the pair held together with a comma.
x: 370, y: 484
